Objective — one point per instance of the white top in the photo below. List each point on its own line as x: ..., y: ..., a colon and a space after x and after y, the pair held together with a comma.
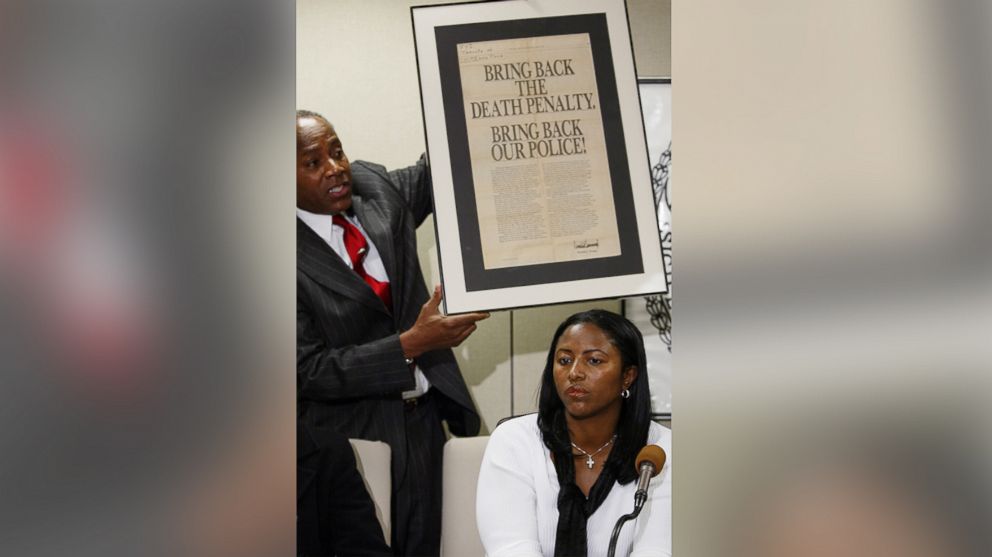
x: 333, y: 235
x: 517, y: 500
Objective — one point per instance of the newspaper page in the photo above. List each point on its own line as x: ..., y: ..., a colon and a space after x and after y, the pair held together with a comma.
x: 539, y: 164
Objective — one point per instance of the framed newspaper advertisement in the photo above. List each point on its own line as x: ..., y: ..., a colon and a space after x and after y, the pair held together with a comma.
x: 542, y: 191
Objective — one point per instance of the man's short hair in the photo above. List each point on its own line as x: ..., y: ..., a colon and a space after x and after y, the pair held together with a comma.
x: 310, y: 114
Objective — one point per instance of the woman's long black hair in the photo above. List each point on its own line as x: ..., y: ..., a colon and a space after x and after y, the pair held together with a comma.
x: 635, y: 413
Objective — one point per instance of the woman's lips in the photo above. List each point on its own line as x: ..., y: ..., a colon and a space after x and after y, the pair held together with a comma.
x: 576, y: 392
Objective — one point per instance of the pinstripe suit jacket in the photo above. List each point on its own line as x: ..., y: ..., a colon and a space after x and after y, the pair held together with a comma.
x: 350, y: 365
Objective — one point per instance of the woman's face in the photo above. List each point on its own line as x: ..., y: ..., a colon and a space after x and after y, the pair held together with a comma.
x: 588, y: 372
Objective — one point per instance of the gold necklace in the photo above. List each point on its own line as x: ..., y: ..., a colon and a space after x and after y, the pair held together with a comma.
x: 589, y: 461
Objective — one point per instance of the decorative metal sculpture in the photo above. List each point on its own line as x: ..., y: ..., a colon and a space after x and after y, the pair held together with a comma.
x: 659, y: 307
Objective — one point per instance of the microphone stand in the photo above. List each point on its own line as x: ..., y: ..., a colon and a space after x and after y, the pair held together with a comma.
x: 640, y: 497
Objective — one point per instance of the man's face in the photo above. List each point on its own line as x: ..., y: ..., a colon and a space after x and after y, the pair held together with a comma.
x: 323, y: 173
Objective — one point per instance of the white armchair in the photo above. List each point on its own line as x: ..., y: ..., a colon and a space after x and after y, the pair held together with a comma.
x: 373, y: 460
x: 459, y: 533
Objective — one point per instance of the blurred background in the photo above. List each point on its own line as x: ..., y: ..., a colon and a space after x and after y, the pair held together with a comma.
x: 831, y: 345
x: 146, y: 278
x: 831, y: 332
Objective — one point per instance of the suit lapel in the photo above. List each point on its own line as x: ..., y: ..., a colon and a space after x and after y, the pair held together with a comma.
x: 318, y: 261
x: 376, y: 225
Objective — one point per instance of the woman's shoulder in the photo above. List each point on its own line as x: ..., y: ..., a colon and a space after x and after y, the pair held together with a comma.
x: 661, y: 436
x: 517, y: 430
x: 516, y: 427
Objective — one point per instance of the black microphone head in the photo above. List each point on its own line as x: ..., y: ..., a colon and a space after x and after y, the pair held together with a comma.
x: 652, y: 454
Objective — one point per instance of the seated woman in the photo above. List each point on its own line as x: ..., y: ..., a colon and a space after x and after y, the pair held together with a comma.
x: 555, y: 483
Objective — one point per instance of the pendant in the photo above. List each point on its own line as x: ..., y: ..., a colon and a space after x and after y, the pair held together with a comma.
x: 589, y: 462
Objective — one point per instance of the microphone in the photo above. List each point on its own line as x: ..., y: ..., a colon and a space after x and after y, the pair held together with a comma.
x: 648, y: 463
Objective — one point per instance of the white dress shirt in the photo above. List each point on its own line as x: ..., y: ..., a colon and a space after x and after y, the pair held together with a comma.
x: 333, y: 234
x: 517, y: 500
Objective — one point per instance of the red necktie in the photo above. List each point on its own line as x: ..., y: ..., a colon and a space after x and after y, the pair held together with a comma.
x: 358, y: 247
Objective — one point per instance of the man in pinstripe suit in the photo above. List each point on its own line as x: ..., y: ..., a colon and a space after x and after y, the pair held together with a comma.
x: 373, y: 350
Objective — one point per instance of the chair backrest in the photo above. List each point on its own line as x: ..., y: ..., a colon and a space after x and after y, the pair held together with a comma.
x: 373, y: 459
x: 459, y: 533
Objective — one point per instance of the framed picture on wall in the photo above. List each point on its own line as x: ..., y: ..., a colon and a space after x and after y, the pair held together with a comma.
x: 653, y: 314
x: 537, y: 153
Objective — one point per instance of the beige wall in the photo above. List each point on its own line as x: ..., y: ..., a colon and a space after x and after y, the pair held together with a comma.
x: 355, y: 64
x: 651, y: 34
